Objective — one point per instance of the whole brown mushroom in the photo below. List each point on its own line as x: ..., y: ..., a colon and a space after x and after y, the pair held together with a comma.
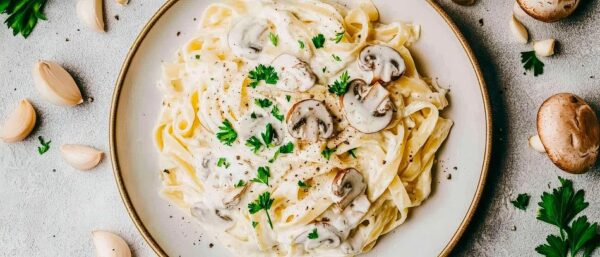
x: 569, y: 132
x: 548, y: 10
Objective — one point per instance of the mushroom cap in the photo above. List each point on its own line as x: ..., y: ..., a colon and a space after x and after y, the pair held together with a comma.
x: 368, y: 109
x: 549, y: 10
x: 569, y: 131
x: 310, y: 120
x: 328, y: 237
x: 295, y: 75
x: 385, y: 62
x: 245, y: 37
x: 346, y: 186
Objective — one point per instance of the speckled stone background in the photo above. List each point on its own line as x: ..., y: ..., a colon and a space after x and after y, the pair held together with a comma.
x: 49, y: 209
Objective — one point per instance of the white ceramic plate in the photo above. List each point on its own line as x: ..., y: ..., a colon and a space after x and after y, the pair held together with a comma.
x: 432, y: 229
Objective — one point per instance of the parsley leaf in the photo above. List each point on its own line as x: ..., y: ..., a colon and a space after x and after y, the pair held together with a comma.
x: 531, y: 62
x: 23, y: 15
x: 327, y: 152
x: 562, y: 205
x: 263, y: 175
x: 263, y: 103
x: 265, y: 73
x: 254, y: 143
x: 301, y: 43
x: 303, y: 184
x: 240, y: 183
x: 222, y: 162
x: 556, y: 247
x: 338, y: 37
x: 254, y: 224
x: 352, y: 152
x: 581, y: 233
x: 313, y: 234
x: 45, y: 146
x: 227, y: 134
x: 340, y: 86
x: 336, y: 58
x: 521, y: 202
x: 285, y: 149
x: 288, y: 97
x: 268, y: 135
x: 253, y: 116
x: 276, y: 113
x: 319, y: 41
x: 263, y: 202
x: 274, y: 38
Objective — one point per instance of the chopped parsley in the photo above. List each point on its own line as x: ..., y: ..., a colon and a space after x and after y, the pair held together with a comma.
x: 340, y: 86
x: 253, y: 116
x: 352, y: 152
x: 23, y: 15
x: 319, y: 41
x: 268, y: 135
x: 327, y: 152
x: 262, y: 175
x: 264, y: 73
x: 263, y: 103
x: 303, y: 184
x: 313, y: 234
x: 254, y: 144
x: 276, y: 113
x: 45, y: 146
x: 301, y: 43
x: 336, y: 58
x: 531, y: 62
x: 197, y: 57
x: 240, y: 183
x: 254, y: 224
x: 227, y: 134
x: 324, y: 69
x: 338, y: 37
x: 521, y: 202
x: 222, y: 162
x: 288, y: 97
x: 263, y: 202
x: 274, y: 38
x: 284, y: 149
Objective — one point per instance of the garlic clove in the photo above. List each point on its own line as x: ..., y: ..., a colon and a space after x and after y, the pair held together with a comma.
x: 545, y: 47
x: 122, y: 2
x: 19, y: 124
x: 108, y: 244
x: 55, y: 84
x: 81, y: 157
x: 518, y: 30
x: 90, y: 12
x: 536, y: 144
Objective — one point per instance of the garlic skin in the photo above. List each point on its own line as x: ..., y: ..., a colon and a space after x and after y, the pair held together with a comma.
x: 55, y: 84
x: 108, y: 244
x: 81, y: 157
x: 122, y: 2
x: 545, y: 47
x: 536, y: 144
x: 518, y: 30
x: 90, y: 12
x: 19, y: 124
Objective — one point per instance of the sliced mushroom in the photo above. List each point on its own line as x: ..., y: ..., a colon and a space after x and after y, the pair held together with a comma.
x: 310, y: 120
x: 327, y: 237
x: 385, y: 63
x: 347, y: 185
x: 549, y: 10
x: 245, y: 37
x: 569, y: 131
x: 295, y: 75
x: 369, y: 109
x: 219, y: 217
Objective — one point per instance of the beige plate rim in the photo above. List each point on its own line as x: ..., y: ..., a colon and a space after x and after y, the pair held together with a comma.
x: 166, y: 6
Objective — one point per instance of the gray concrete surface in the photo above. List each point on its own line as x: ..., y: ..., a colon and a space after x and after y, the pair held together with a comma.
x: 48, y: 209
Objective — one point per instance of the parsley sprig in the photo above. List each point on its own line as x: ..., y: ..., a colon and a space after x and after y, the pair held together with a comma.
x: 268, y: 135
x: 521, y: 202
x: 222, y: 162
x: 284, y: 149
x: 262, y: 175
x: 23, y: 15
x: 263, y: 202
x: 318, y: 41
x: 531, y: 62
x: 227, y: 134
x: 558, y: 208
x: 327, y: 152
x: 254, y: 144
x: 313, y: 234
x: 340, y: 86
x: 263, y: 103
x: 277, y: 113
x: 338, y: 37
x: 45, y: 145
x: 264, y: 73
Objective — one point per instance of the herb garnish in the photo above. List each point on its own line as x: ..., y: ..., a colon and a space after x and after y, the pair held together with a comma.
x: 288, y: 97
x: 352, y: 152
x: 274, y: 38
x: 313, y: 234
x: 222, y: 162
x: 254, y: 224
x: 559, y: 208
x: 340, y: 86
x: 265, y: 73
x: 23, y: 15
x: 339, y: 36
x: 263, y: 103
x: 227, y: 134
x: 254, y: 143
x: 327, y: 152
x: 318, y: 41
x: 268, y: 135
x: 262, y: 176
x: 303, y: 184
x: 521, y: 202
x: 531, y: 62
x: 197, y: 57
x: 284, y: 149
x: 301, y: 43
x: 276, y: 113
x: 45, y: 145
x: 263, y: 202
x: 240, y: 183
x: 336, y: 58
x: 253, y: 116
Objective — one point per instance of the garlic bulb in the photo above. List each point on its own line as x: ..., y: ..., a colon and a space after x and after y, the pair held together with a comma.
x: 55, y: 84
x: 545, y: 47
x: 81, y: 157
x: 90, y: 12
x: 108, y: 244
x: 519, y: 30
x: 122, y: 2
x: 19, y: 124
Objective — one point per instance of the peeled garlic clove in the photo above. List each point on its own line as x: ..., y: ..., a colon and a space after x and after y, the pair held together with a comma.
x: 536, y: 144
x: 90, y: 12
x: 108, y: 244
x: 81, y: 157
x: 519, y: 30
x: 122, y: 2
x: 55, y: 84
x: 545, y: 47
x: 19, y: 124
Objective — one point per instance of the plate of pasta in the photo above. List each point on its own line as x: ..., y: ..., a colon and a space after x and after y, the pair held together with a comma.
x: 300, y: 128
